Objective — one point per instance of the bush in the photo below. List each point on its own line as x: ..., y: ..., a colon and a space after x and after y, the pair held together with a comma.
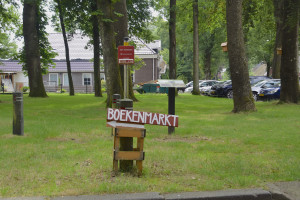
x: 25, y: 89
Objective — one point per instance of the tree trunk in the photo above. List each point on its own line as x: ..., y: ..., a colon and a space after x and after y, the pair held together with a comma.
x: 196, y: 90
x: 121, y: 29
x: 209, y: 45
x: 242, y: 94
x: 96, y: 44
x: 32, y: 49
x: 172, y: 36
x: 61, y: 19
x: 289, y: 60
x: 113, y: 78
x: 278, y: 10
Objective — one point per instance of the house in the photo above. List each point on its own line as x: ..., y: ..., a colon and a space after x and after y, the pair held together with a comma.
x: 81, y: 65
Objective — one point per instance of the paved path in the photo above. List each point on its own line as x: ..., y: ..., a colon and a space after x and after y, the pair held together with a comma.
x: 275, y: 191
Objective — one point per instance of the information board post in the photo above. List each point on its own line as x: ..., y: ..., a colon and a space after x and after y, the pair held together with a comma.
x: 171, y: 107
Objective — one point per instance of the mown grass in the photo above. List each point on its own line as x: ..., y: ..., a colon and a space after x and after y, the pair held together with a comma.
x: 67, y: 148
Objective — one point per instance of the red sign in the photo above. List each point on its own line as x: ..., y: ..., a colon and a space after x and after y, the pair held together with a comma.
x: 126, y: 54
x: 138, y: 117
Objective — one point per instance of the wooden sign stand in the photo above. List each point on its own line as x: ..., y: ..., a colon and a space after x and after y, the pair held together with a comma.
x: 137, y: 153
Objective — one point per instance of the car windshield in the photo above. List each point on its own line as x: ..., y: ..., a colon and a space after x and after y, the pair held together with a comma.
x: 272, y: 85
x: 259, y: 84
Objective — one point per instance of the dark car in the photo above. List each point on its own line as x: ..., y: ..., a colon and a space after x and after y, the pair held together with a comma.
x: 271, y: 93
x: 220, y: 90
x: 226, y: 90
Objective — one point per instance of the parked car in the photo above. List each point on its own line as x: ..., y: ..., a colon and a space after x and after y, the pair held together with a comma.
x: 221, y: 90
x: 273, y: 92
x: 189, y: 84
x: 226, y: 90
x: 256, y: 88
x: 204, y: 83
x: 206, y: 89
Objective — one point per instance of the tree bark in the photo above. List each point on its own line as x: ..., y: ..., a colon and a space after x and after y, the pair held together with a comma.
x: 172, y: 36
x: 196, y: 90
x: 96, y: 44
x: 278, y: 8
x: 121, y: 29
x: 242, y: 98
x: 289, y: 61
x: 112, y: 72
x: 32, y: 50
x: 61, y: 19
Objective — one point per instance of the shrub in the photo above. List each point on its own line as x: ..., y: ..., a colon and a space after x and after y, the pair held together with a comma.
x: 25, y: 89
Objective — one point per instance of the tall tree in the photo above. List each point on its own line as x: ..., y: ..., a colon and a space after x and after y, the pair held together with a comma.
x: 67, y: 52
x: 242, y: 98
x: 32, y: 51
x: 196, y: 90
x: 289, y: 61
x: 278, y: 8
x: 96, y: 44
x: 112, y: 72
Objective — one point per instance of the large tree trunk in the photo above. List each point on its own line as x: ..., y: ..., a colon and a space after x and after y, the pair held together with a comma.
x: 242, y: 94
x: 61, y: 18
x: 278, y: 10
x: 121, y: 29
x: 96, y: 44
x: 172, y: 36
x: 196, y: 90
x: 289, y: 60
x: 32, y: 49
x: 113, y: 78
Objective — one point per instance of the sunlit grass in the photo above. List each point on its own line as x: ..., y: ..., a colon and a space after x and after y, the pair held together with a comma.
x: 67, y: 148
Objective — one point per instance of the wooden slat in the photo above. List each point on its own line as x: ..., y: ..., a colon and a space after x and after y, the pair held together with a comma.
x: 116, y: 143
x: 130, y: 132
x: 140, y: 144
x: 139, y: 164
x: 129, y: 155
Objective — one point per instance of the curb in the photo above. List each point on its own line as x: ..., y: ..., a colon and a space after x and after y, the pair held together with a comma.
x: 248, y: 194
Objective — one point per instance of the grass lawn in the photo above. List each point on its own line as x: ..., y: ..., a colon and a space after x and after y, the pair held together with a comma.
x: 67, y: 148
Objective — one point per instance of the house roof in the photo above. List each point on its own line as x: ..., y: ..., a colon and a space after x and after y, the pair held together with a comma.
x: 78, y: 46
x: 61, y: 66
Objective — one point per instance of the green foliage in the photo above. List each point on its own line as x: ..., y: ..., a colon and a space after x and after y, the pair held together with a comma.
x: 139, y: 18
x: 9, y: 23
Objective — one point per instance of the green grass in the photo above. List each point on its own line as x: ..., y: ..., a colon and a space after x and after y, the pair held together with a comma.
x: 67, y: 148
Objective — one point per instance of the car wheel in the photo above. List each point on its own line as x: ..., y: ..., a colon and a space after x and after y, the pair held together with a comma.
x: 230, y: 94
x: 255, y: 96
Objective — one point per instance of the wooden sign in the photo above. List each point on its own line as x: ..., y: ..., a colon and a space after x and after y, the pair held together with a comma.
x: 138, y: 117
x: 126, y: 54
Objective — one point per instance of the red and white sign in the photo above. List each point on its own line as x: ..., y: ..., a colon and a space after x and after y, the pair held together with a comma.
x: 126, y: 54
x: 138, y: 117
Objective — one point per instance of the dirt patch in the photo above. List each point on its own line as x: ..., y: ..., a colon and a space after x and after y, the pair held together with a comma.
x: 192, y: 139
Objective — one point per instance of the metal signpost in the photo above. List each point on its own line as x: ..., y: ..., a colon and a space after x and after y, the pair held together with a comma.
x: 126, y: 57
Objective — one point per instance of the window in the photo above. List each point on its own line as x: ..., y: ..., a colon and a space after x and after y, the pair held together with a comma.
x: 53, y: 79
x: 65, y: 80
x: 87, y: 78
